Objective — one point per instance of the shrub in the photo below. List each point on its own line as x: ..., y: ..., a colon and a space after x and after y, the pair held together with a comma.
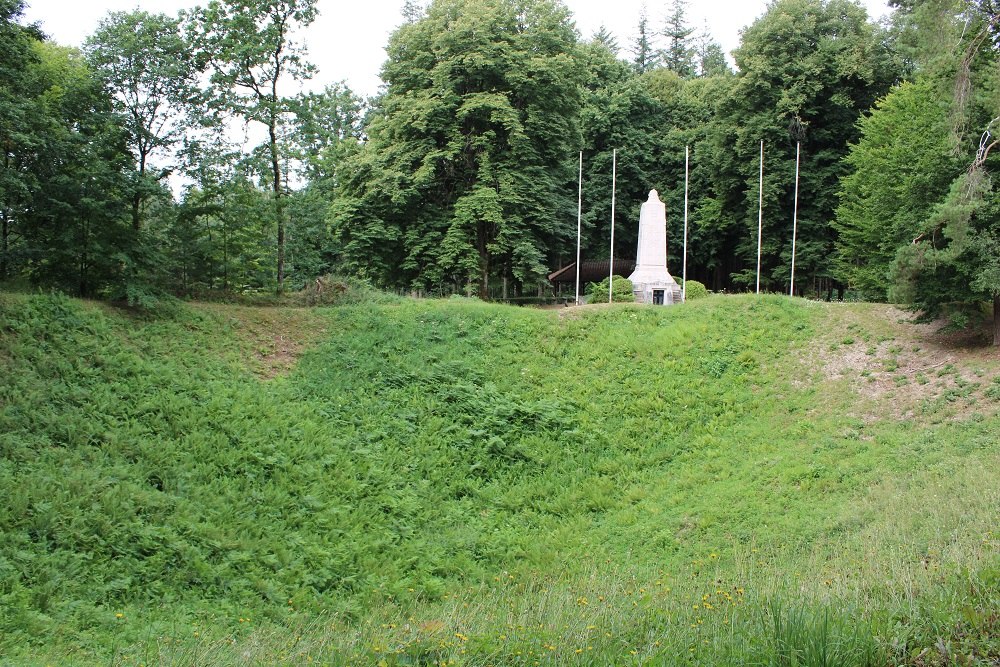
x: 340, y: 291
x: 621, y: 291
x: 534, y: 300
x: 695, y: 290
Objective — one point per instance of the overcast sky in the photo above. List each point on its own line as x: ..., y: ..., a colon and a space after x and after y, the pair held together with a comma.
x: 348, y: 39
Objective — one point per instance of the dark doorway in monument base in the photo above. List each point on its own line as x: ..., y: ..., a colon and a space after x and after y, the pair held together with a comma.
x: 658, y: 297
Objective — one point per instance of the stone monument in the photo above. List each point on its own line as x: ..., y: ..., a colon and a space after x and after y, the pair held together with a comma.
x: 651, y: 282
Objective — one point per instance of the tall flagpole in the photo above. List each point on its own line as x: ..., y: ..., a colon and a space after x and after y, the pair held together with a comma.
x: 614, y: 184
x: 684, y: 271
x: 579, y: 228
x: 795, y: 216
x: 760, y: 212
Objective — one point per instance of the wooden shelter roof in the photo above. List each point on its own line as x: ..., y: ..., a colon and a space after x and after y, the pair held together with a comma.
x: 592, y: 271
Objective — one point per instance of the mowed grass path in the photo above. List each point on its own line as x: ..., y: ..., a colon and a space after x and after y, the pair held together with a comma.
x: 454, y: 481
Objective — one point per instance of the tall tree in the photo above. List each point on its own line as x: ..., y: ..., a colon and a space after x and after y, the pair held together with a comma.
x: 618, y: 113
x: 679, y: 54
x: 75, y: 223
x: 248, y: 44
x: 462, y: 181
x: 901, y: 168
x: 953, y: 266
x: 18, y: 110
x: 327, y: 128
x: 694, y: 114
x: 214, y: 237
x: 808, y: 70
x: 643, y: 48
x: 147, y: 67
x: 710, y: 59
x: 327, y: 132
x: 607, y: 39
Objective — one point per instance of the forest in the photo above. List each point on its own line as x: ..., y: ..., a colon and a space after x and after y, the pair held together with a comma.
x: 123, y: 178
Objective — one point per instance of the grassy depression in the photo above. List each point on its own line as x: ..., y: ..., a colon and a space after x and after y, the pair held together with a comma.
x: 438, y: 481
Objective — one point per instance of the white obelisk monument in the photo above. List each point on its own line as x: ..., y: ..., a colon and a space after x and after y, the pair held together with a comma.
x: 651, y: 282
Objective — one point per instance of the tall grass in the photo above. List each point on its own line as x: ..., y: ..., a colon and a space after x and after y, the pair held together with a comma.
x: 455, y: 481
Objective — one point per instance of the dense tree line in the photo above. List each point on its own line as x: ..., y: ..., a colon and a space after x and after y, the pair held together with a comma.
x: 127, y: 172
x: 919, y: 219
x: 123, y: 176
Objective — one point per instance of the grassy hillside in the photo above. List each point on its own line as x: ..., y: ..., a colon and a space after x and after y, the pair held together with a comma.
x: 740, y: 480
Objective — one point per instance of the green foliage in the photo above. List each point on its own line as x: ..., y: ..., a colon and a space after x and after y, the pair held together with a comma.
x: 694, y: 290
x: 219, y: 236
x: 443, y: 461
x: 620, y: 113
x: 249, y: 48
x: 901, y: 167
x: 328, y: 131
x: 465, y: 180
x: 710, y: 57
x: 814, y: 635
x: 147, y: 68
x: 645, y: 55
x: 930, y: 629
x: 340, y: 291
x: 73, y: 227
x: 957, y: 267
x: 621, y: 291
x: 462, y: 180
x: 19, y: 134
x: 951, y: 267
x: 61, y: 176
x: 832, y: 64
x: 679, y: 56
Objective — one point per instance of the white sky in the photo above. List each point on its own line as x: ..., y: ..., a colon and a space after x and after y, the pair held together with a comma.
x: 348, y: 39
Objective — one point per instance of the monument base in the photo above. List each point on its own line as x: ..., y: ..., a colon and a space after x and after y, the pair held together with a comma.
x: 659, y: 293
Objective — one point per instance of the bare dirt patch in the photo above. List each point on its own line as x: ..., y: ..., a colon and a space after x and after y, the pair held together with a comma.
x: 909, y: 370
x: 573, y: 312
x: 272, y: 339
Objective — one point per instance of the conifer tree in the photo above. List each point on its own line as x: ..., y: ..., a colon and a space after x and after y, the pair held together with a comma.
x: 643, y: 49
x: 952, y: 267
x: 709, y: 56
x: 606, y: 38
x: 679, y: 54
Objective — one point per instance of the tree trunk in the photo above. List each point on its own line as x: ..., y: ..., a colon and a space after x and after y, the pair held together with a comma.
x: 482, y: 248
x: 137, y: 196
x: 136, y: 202
x: 82, y: 282
x: 996, y: 319
x: 5, y: 236
x: 278, y: 203
x: 4, y: 245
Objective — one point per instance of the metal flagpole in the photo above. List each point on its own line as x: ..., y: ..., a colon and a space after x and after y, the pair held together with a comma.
x: 614, y: 184
x: 579, y: 228
x: 760, y: 212
x: 795, y: 216
x: 684, y: 271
